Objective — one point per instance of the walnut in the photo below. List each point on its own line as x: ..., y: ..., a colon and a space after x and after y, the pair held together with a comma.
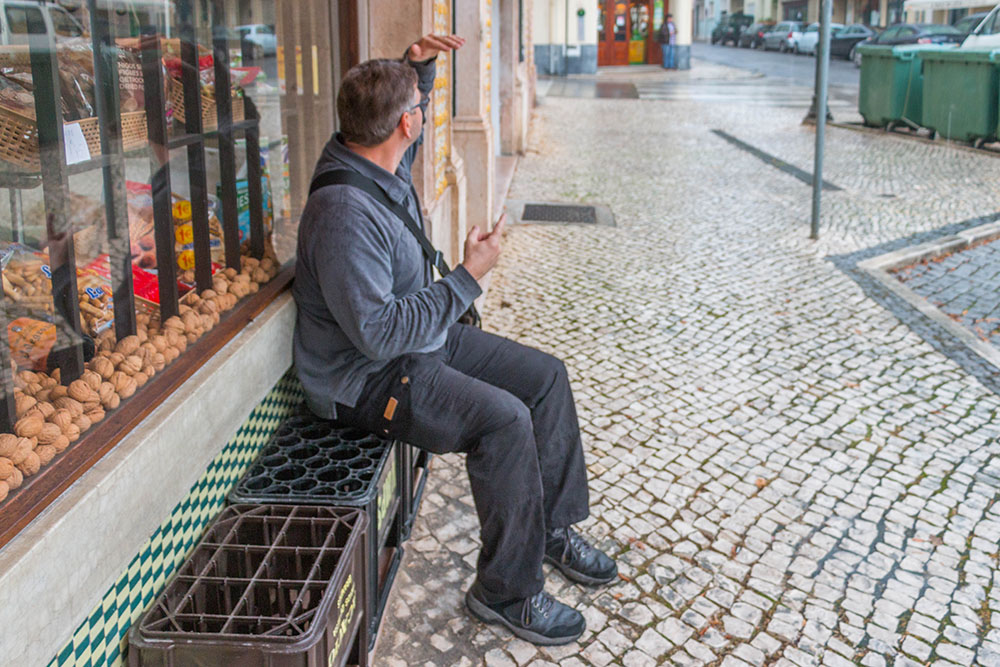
x: 75, y: 407
x: 29, y: 426
x: 45, y: 453
x: 130, y: 365
x: 92, y: 378
x: 72, y: 432
x: 95, y: 415
x: 30, y: 465
x: 24, y: 403
x: 50, y: 432
x: 15, y: 480
x: 8, y: 444
x: 61, y: 443
x: 80, y: 390
x: 103, y: 367
x: 61, y: 418
x: 128, y: 345
x: 83, y: 422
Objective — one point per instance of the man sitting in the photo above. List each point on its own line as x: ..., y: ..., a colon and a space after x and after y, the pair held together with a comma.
x: 378, y: 346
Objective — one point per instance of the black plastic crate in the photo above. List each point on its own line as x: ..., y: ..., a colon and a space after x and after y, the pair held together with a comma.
x: 416, y: 464
x: 312, y: 461
x: 272, y: 585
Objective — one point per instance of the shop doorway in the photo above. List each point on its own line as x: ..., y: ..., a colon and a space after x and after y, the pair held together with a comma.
x: 626, y: 31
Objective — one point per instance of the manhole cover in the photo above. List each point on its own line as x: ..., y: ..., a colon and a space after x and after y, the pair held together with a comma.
x: 559, y: 213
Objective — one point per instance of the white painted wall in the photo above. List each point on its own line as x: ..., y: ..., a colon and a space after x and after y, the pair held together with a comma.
x: 549, y: 21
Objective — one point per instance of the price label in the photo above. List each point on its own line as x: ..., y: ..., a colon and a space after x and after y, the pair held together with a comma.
x: 182, y: 210
x: 185, y: 260
x: 184, y: 234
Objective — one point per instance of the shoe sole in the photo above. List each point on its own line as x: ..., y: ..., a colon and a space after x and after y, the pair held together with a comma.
x: 487, y: 615
x: 573, y: 575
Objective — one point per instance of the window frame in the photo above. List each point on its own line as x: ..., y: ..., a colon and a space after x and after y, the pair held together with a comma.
x: 23, y: 505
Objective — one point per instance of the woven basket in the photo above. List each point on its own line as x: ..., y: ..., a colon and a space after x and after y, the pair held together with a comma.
x: 209, y: 111
x: 19, y: 136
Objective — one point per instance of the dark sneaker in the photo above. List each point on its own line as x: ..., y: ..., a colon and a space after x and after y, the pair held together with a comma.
x: 540, y: 619
x: 567, y: 550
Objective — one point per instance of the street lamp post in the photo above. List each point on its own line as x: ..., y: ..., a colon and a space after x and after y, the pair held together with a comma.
x: 822, y: 72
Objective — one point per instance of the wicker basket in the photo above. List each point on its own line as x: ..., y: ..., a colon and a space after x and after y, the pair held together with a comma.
x: 19, y: 136
x: 209, y: 111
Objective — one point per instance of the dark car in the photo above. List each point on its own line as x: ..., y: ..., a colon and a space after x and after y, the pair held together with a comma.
x: 843, y: 42
x: 912, y: 33
x: 729, y: 29
x: 967, y: 24
x: 754, y: 35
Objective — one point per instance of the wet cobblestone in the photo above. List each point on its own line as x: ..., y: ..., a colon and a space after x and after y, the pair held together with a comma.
x: 965, y: 285
x: 785, y: 471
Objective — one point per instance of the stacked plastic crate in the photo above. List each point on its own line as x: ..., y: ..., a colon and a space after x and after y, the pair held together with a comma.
x: 308, y: 466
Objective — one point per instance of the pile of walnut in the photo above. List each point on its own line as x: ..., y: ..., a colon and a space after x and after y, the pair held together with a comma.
x: 51, y: 416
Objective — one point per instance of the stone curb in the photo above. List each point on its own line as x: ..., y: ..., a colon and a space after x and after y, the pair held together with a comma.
x: 880, y: 267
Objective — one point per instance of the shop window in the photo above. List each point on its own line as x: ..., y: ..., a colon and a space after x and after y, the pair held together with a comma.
x: 154, y: 161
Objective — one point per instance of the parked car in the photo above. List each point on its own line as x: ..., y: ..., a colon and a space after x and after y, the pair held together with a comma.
x: 986, y: 34
x: 809, y: 42
x: 967, y: 24
x: 754, y: 35
x: 784, y: 36
x: 729, y: 30
x: 59, y: 24
x: 258, y: 40
x: 842, y: 44
x: 912, y: 33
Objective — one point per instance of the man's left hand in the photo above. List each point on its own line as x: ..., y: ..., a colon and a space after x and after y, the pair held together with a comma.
x: 429, y: 46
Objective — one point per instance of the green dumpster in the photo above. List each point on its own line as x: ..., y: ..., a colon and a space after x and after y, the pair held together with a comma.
x: 961, y: 94
x: 892, y: 83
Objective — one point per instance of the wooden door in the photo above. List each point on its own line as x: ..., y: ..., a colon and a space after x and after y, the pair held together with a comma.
x: 654, y: 54
x: 612, y: 32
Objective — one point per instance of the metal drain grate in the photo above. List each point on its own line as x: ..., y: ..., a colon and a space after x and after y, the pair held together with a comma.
x: 559, y: 213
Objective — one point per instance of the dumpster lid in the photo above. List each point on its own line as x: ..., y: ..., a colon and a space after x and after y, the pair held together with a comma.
x: 906, y: 51
x: 965, y: 55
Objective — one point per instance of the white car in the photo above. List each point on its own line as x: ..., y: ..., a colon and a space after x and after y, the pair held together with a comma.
x: 258, y: 40
x: 809, y: 41
x: 987, y: 33
x: 17, y: 15
x: 783, y: 37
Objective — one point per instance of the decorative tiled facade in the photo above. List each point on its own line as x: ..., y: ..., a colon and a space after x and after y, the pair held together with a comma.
x: 101, y: 638
x: 442, y: 99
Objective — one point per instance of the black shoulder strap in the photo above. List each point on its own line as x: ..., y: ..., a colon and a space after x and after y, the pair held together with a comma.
x: 353, y: 178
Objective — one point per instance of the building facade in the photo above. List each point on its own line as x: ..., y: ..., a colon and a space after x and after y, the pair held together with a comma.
x: 579, y: 36
x: 149, y: 248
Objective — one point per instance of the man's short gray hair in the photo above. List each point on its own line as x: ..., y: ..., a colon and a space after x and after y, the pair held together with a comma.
x: 372, y: 98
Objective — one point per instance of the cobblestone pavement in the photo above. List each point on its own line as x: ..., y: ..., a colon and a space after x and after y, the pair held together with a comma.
x: 965, y: 285
x: 785, y: 471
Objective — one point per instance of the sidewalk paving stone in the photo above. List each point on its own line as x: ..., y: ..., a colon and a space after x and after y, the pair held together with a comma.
x: 790, y: 468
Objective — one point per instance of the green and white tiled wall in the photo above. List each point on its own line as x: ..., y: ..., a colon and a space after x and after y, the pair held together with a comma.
x: 101, y: 638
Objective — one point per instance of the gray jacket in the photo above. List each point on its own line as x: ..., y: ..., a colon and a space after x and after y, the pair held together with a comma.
x: 364, y: 290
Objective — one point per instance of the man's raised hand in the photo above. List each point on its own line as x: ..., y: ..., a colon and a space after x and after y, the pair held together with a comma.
x: 429, y: 46
x: 482, y: 250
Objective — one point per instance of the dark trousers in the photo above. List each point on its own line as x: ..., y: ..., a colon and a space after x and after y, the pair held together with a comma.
x: 510, y: 409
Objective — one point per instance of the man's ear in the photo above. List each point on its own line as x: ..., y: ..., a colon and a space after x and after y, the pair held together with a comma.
x: 406, y: 124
